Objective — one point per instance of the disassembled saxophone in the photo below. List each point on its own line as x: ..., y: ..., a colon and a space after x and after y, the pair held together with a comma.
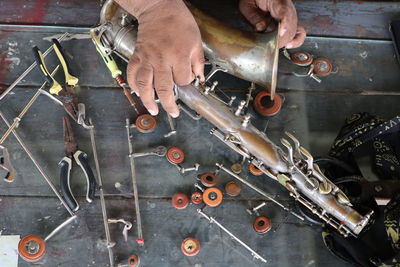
x: 252, y: 57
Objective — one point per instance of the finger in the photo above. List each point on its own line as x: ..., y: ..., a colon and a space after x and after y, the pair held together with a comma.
x: 131, y: 71
x: 198, y: 63
x: 144, y: 83
x: 164, y: 88
x: 298, y: 38
x: 182, y: 72
x: 253, y: 14
x: 287, y: 32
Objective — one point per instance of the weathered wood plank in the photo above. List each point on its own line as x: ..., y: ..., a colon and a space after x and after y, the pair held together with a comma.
x: 362, y: 19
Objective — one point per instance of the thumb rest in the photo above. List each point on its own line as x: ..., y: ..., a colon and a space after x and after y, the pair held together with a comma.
x: 294, y: 169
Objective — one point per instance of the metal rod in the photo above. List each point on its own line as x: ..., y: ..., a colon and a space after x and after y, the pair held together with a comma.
x: 25, y: 110
x: 212, y: 220
x: 40, y: 169
x: 134, y: 185
x: 29, y: 69
x: 102, y: 201
x: 58, y: 228
x: 258, y: 190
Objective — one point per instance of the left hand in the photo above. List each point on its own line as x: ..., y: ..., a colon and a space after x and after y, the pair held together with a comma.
x: 258, y: 12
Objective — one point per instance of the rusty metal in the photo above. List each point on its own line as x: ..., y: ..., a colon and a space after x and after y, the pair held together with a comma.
x: 247, y: 55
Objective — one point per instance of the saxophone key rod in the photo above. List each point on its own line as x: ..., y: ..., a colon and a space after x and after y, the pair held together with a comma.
x: 258, y: 190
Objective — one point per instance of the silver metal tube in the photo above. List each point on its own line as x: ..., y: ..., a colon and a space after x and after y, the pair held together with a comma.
x: 40, y: 169
x: 212, y: 220
x: 258, y: 190
x: 102, y: 201
x: 58, y: 228
x: 134, y: 185
x: 25, y: 110
x: 29, y: 69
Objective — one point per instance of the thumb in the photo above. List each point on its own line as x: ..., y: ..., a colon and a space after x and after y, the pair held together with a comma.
x: 253, y: 14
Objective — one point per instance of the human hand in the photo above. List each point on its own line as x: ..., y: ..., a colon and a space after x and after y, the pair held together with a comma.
x: 258, y: 12
x: 168, y: 50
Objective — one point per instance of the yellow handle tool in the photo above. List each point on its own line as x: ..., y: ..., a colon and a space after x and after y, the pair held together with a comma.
x: 69, y: 79
x: 55, y: 87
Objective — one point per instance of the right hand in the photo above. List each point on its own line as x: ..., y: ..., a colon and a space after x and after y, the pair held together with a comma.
x: 168, y: 50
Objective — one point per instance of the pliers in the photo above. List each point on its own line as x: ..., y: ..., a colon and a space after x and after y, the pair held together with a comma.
x: 81, y: 158
x: 66, y: 94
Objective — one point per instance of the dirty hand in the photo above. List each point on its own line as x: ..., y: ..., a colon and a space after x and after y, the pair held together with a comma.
x: 168, y: 50
x: 258, y: 12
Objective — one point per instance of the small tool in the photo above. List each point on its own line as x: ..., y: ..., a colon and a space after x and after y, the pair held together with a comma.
x: 127, y: 226
x: 159, y: 151
x: 139, y: 239
x: 66, y: 94
x: 81, y: 158
x: 183, y: 170
x: 116, y: 73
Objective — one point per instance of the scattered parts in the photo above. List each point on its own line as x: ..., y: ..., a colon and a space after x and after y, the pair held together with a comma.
x: 232, y: 188
x: 301, y: 58
x: 236, y: 168
x: 190, y: 247
x: 180, y: 201
x: 31, y: 248
x: 127, y: 226
x: 159, y: 151
x: 146, y: 123
x: 322, y: 66
x: 265, y: 106
x: 212, y: 196
x: 262, y: 224
x: 208, y: 179
x: 175, y: 155
x: 133, y: 261
x: 213, y: 220
x: 255, y: 209
x: 254, y: 170
x: 197, y: 198
x: 184, y: 170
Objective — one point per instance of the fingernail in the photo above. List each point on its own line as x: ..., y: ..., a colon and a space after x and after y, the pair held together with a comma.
x: 174, y: 114
x: 153, y: 112
x: 260, y: 26
x: 282, y: 33
x: 289, y: 45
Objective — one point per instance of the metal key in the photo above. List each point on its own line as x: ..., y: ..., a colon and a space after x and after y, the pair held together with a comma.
x: 127, y: 226
x: 159, y: 151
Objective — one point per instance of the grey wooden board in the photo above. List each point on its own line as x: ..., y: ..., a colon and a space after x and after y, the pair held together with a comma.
x: 362, y: 19
x: 362, y: 66
x: 288, y: 242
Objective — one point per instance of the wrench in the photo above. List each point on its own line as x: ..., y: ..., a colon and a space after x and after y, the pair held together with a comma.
x: 159, y: 151
x: 127, y: 226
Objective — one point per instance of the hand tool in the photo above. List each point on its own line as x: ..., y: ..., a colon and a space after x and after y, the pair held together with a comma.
x: 127, y: 226
x: 6, y: 169
x: 159, y: 151
x: 116, y: 73
x: 139, y: 239
x: 258, y: 190
x: 81, y: 158
x: 171, y: 126
x: 184, y: 170
x: 66, y: 93
x: 213, y: 220
x: 110, y: 244
x: 12, y: 86
x: 37, y: 165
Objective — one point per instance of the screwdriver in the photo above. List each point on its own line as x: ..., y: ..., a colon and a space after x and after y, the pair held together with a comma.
x: 116, y: 73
